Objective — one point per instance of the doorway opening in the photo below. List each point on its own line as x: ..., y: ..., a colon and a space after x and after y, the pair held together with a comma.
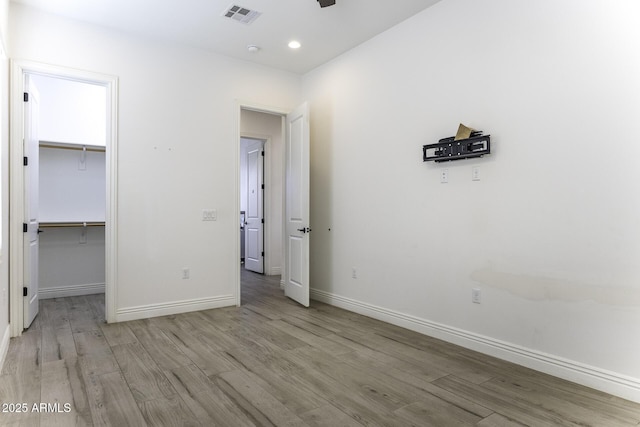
x: 63, y: 186
x: 292, y: 166
x: 69, y: 192
x: 252, y: 215
x: 261, y: 189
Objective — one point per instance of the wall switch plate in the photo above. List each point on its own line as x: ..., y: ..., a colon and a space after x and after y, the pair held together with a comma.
x: 444, y: 176
x: 209, y: 215
x: 475, y: 173
x: 476, y: 295
x: 185, y: 273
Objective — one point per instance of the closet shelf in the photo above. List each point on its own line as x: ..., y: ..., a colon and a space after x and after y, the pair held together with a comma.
x: 71, y: 224
x: 71, y: 146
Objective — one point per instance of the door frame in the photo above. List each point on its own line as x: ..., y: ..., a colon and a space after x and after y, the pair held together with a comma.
x: 275, y: 111
x: 19, y: 68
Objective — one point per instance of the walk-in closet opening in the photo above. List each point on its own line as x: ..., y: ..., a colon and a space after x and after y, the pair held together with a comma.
x: 70, y: 193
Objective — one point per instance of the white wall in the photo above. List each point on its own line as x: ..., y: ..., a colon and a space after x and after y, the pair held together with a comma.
x: 177, y: 136
x: 269, y: 126
x: 72, y: 112
x: 550, y: 234
x: 69, y: 193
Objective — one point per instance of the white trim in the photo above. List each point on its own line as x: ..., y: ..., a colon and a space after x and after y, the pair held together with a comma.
x: 275, y: 271
x: 590, y: 376
x: 262, y: 108
x: 175, y: 307
x: 16, y: 191
x: 111, y: 214
x: 71, y: 291
x: 4, y: 345
x: 236, y: 195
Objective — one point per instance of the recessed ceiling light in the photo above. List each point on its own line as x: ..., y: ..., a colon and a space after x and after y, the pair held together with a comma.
x: 294, y: 44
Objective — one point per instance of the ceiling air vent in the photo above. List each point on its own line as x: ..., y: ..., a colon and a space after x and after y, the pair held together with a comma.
x: 241, y: 14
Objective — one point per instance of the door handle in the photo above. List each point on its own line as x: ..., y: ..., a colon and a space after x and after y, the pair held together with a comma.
x: 305, y: 230
x: 40, y: 231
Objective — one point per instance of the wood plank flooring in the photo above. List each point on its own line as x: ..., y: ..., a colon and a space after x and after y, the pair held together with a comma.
x: 273, y: 363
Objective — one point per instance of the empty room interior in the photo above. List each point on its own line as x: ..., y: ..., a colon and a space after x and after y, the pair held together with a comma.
x: 316, y: 212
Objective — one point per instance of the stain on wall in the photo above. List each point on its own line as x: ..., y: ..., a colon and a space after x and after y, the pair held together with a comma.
x: 550, y: 289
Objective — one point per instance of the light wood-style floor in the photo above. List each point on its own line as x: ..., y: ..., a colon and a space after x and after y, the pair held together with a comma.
x: 272, y: 362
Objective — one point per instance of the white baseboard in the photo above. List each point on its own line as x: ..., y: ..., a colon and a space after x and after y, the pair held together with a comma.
x: 71, y: 291
x: 4, y: 345
x: 275, y: 271
x: 590, y: 376
x: 175, y: 307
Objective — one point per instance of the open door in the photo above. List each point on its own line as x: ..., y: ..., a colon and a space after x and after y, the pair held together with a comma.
x: 254, y: 218
x: 297, y: 226
x: 31, y: 240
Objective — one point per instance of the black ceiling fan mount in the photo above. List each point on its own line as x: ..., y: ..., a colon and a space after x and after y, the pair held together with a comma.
x: 325, y: 3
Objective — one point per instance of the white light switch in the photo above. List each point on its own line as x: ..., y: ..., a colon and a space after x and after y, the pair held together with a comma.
x: 209, y: 215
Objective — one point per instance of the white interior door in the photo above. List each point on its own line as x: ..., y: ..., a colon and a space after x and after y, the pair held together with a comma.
x: 31, y: 241
x: 254, y: 218
x: 297, y: 226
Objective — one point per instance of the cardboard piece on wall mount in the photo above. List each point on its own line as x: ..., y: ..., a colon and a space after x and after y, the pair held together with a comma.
x: 464, y: 132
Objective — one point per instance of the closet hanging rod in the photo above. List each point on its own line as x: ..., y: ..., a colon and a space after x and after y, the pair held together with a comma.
x: 71, y: 224
x: 44, y: 144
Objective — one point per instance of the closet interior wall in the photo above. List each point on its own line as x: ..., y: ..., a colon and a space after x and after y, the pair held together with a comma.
x: 72, y: 187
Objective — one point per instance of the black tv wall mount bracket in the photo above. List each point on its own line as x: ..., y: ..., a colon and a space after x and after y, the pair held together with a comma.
x: 448, y: 149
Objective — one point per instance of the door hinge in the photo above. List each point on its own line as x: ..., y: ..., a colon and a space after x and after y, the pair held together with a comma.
x: 26, y: 97
x: 262, y: 253
x: 25, y: 291
x: 25, y: 161
x: 25, y: 227
x: 262, y: 220
x: 262, y: 153
x: 263, y: 186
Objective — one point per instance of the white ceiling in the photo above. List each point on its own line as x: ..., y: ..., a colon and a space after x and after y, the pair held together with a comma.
x: 324, y: 32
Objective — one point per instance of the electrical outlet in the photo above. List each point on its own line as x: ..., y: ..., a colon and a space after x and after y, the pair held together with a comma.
x: 444, y: 176
x: 185, y: 273
x: 354, y: 273
x: 476, y: 296
x: 475, y: 173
